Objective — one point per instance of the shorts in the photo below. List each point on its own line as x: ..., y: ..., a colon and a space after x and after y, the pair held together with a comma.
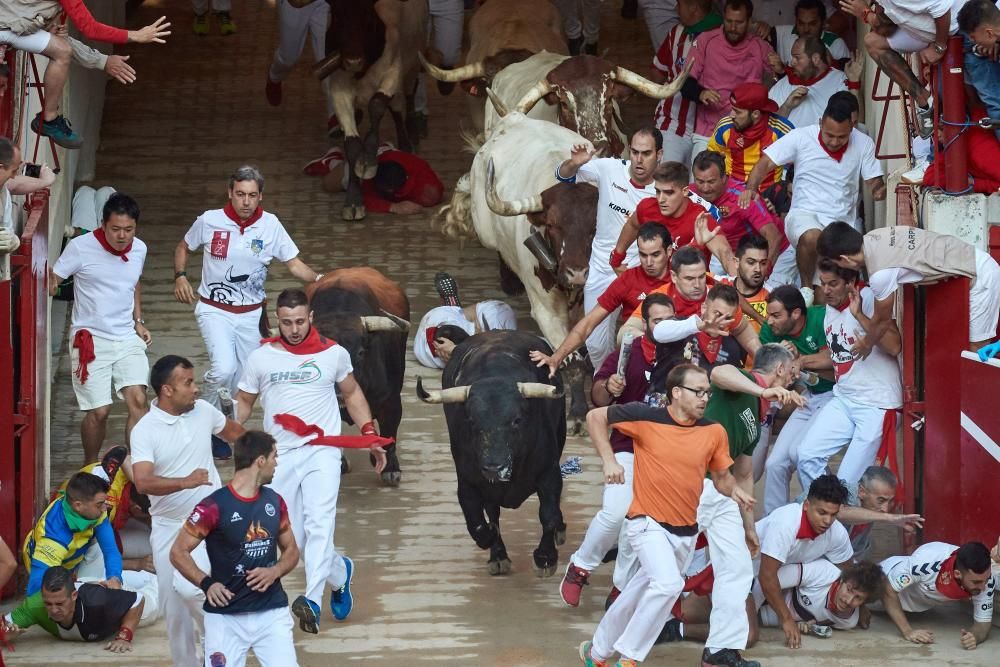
x: 903, y: 41
x: 984, y: 299
x: 494, y: 315
x: 798, y: 223
x: 117, y: 364
x: 36, y: 42
x: 229, y: 637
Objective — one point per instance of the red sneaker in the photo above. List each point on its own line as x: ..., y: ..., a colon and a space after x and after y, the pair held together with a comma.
x: 612, y: 596
x: 572, y: 584
x: 273, y: 92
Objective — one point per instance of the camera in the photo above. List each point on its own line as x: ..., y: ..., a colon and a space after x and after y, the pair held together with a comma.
x: 32, y: 170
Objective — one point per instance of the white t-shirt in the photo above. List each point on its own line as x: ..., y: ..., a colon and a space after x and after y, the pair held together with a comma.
x: 491, y: 315
x: 778, y: 533
x: 872, y: 381
x: 823, y: 186
x: 235, y: 264
x: 616, y: 201
x: 177, y: 445
x: 917, y: 16
x: 811, y: 109
x: 884, y: 283
x: 806, y: 587
x: 780, y: 12
x: 303, y: 385
x: 786, y: 38
x: 919, y: 577
x: 103, y: 286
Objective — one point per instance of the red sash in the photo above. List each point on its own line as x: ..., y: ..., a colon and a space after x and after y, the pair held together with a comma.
x: 299, y: 427
x: 83, y: 342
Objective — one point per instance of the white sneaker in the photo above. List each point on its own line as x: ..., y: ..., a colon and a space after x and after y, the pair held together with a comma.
x: 226, y: 402
x: 807, y: 294
x: 915, y: 176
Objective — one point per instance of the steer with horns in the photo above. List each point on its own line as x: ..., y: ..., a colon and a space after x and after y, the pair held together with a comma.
x: 507, y: 426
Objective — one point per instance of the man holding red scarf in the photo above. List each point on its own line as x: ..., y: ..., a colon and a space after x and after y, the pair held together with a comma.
x: 108, y: 335
x: 804, y: 93
x: 297, y: 375
x: 240, y: 241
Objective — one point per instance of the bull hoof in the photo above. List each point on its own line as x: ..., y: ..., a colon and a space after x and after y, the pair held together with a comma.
x: 353, y: 213
x: 499, y: 567
x: 546, y: 571
x: 391, y: 478
x: 365, y: 170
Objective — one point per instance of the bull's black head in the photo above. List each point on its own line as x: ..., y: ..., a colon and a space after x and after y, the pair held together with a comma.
x: 358, y: 33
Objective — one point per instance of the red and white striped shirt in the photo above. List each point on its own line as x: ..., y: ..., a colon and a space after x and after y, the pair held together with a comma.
x: 674, y: 114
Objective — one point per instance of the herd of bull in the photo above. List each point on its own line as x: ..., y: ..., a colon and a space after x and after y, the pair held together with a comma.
x: 530, y: 102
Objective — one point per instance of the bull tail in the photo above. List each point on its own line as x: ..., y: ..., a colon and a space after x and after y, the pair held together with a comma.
x: 454, y: 220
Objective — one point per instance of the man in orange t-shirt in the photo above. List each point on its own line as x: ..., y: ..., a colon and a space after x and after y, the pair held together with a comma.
x: 674, y: 449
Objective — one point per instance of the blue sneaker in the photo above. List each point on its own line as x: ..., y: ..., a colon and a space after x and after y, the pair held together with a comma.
x: 58, y: 130
x: 307, y: 612
x: 221, y: 451
x: 341, y: 600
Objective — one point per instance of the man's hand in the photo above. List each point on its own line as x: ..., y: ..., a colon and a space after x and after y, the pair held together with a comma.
x: 878, y: 189
x: 746, y: 197
x: 796, y: 97
x: 990, y: 53
x: 405, y: 208
x: 792, y: 637
x: 930, y: 56
x: 183, y: 291
x: 854, y: 298
x: 46, y: 175
x: 142, y: 332
x: 753, y: 542
x: 113, y: 583
x: 702, y: 235
x: 260, y: 578
x: 542, y: 359
x: 380, y: 459
x: 855, y: 67
x: 218, y: 595
x: 919, y: 636
x: 709, y: 97
x: 620, y: 269
x: 9, y: 630
x: 198, y: 477
x: 443, y: 348
x: 908, y: 522
x: 790, y: 346
x: 146, y: 563
x: 862, y: 348
x: 9, y: 241
x: 854, y: 7
x: 154, y: 32
x: 59, y: 29
x: 967, y: 639
x: 615, y: 385
x: 117, y: 645
x: 784, y: 396
x: 118, y: 68
x: 715, y: 324
x: 580, y: 155
x: 774, y: 60
x: 613, y: 472
x: 864, y: 617
x: 745, y: 500
x: 761, y: 29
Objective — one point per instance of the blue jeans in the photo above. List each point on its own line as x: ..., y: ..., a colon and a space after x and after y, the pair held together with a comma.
x: 984, y: 75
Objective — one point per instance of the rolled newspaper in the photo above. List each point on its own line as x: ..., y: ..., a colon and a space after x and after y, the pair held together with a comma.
x: 623, y: 355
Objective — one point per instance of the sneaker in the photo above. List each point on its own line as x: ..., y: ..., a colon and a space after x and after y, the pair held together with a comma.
x: 925, y: 119
x: 729, y: 657
x: 447, y: 289
x: 58, y: 130
x: 307, y: 612
x: 226, y: 402
x: 272, y: 91
x: 626, y: 662
x: 341, y: 600
x: 612, y: 596
x: 589, y: 660
x: 572, y: 584
x: 808, y: 295
x: 915, y: 176
x: 226, y: 25
x: 671, y: 632
x: 221, y: 451
x: 201, y: 24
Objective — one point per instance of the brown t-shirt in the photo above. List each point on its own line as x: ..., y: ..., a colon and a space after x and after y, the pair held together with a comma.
x: 671, y: 461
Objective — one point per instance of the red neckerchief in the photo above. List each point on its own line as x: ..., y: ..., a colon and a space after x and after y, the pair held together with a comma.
x: 103, y: 240
x: 431, y: 333
x: 764, y: 403
x: 946, y: 582
x: 242, y: 224
x: 684, y: 307
x: 648, y: 349
x: 796, y: 80
x: 311, y: 344
x: 742, y: 138
x: 710, y: 346
x: 837, y: 155
x: 831, y: 601
x: 806, y: 531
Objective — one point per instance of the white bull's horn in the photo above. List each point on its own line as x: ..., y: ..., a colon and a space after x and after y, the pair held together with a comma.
x: 498, y: 104
x: 470, y: 71
x: 504, y: 207
x: 451, y: 395
x: 537, y: 92
x: 325, y: 67
x: 538, y: 390
x: 647, y: 87
x: 374, y: 323
x: 400, y: 322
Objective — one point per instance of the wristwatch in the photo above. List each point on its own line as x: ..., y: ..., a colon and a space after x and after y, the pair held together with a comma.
x: 940, y: 48
x: 139, y: 320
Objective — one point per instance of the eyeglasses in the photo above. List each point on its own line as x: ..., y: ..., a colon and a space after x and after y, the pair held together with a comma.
x: 700, y: 393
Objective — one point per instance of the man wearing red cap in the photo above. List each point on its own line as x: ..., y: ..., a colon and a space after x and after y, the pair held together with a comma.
x: 753, y: 126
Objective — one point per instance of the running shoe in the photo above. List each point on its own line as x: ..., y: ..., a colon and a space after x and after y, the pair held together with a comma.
x: 221, y: 451
x: 808, y: 295
x: 226, y: 24
x: 925, y: 119
x: 589, y: 660
x: 626, y: 662
x: 58, y: 130
x: 201, y: 24
x: 612, y: 596
x: 571, y: 586
x: 729, y: 657
x: 272, y: 91
x: 915, y: 176
x: 447, y: 289
x: 307, y: 612
x: 226, y: 402
x: 341, y: 600
x: 671, y: 632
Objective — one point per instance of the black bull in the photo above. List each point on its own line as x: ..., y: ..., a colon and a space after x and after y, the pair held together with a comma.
x: 507, y: 426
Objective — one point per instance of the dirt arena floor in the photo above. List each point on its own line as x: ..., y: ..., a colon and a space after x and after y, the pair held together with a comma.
x: 422, y: 591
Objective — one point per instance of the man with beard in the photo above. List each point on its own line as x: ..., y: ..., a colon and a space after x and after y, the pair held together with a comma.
x: 749, y: 279
x: 753, y: 124
x: 810, y: 21
x: 803, y: 94
x: 621, y: 185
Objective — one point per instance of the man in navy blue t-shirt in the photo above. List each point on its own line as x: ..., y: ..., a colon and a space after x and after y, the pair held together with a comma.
x: 243, y: 525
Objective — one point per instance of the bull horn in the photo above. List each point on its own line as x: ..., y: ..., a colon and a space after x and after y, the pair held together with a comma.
x: 504, y: 207
x: 498, y: 104
x: 400, y: 322
x: 647, y: 87
x: 451, y: 395
x: 470, y: 71
x: 325, y: 67
x: 373, y: 323
x: 537, y: 92
x: 538, y: 390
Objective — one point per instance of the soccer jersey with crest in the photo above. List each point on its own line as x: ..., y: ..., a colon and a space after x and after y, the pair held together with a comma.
x: 241, y: 534
x: 809, y: 590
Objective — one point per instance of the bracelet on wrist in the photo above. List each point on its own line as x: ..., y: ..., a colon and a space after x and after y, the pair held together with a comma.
x: 206, y: 583
x: 125, y: 634
x: 369, y: 428
x: 854, y: 85
x: 617, y: 259
x: 179, y: 274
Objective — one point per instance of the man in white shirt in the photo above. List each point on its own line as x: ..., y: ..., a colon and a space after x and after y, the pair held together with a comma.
x: 810, y: 21
x: 621, y: 185
x: 802, y: 95
x: 801, y: 533
x: 298, y: 375
x: 172, y: 463
x: 240, y: 242
x: 829, y: 160
x: 297, y: 20
x: 938, y: 573
x: 108, y: 335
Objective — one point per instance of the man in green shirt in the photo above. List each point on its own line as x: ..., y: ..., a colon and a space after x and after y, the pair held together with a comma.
x: 800, y: 330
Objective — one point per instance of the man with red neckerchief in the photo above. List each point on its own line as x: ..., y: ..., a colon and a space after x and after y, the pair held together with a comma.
x: 108, y: 335
x: 240, y: 242
x: 753, y: 124
x: 803, y: 93
x: 297, y: 376
x: 938, y: 573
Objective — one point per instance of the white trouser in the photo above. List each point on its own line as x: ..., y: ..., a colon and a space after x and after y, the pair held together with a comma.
x: 180, y: 600
x: 660, y: 16
x: 604, y: 528
x: 229, y: 637
x: 719, y: 517
x: 840, y: 422
x: 785, y: 271
x: 676, y: 149
x: 581, y: 17
x: 229, y: 339
x: 601, y: 341
x: 784, y: 455
x: 699, y: 143
x: 88, y: 206
x: 135, y: 544
x: 760, y: 452
x: 308, y: 478
x: 294, y: 25
x: 201, y: 6
x: 447, y: 19
x: 631, y: 625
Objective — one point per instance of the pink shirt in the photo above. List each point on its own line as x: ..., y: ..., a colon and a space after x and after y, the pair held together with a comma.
x: 738, y: 222
x: 721, y: 66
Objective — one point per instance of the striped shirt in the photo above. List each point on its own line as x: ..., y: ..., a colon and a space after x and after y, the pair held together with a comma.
x: 674, y: 115
x: 740, y: 158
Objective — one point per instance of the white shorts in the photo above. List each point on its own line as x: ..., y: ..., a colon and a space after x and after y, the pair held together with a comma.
x: 984, y: 299
x: 903, y: 41
x: 117, y: 364
x: 229, y: 637
x: 798, y: 223
x: 36, y: 42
